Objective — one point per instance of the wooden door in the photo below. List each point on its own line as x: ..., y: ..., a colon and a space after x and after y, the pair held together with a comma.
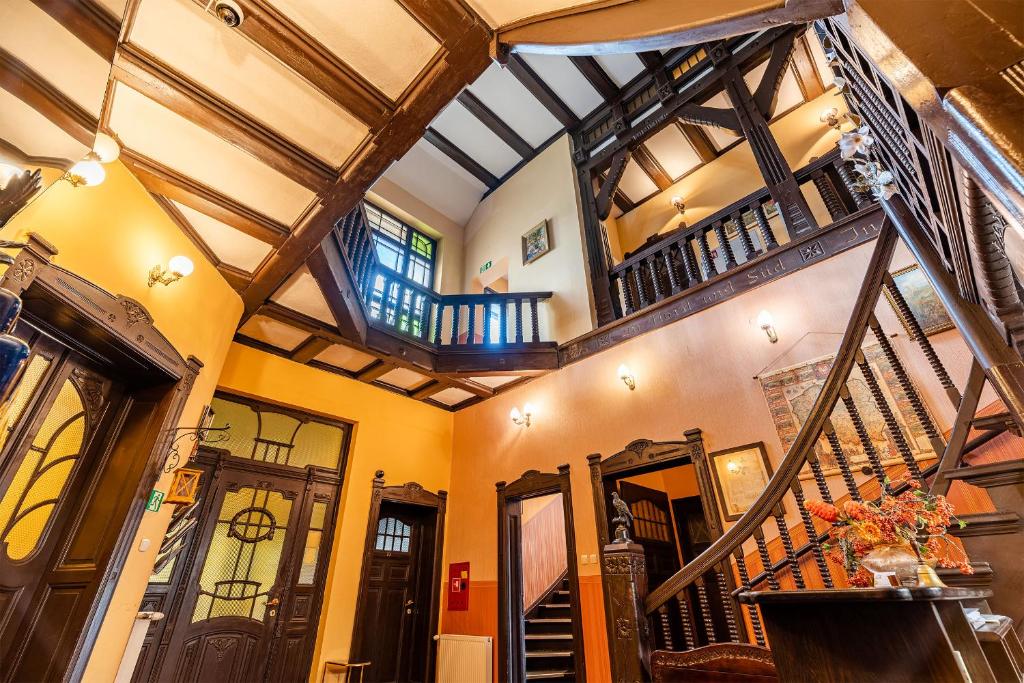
x: 53, y: 459
x: 652, y: 528
x: 395, y: 605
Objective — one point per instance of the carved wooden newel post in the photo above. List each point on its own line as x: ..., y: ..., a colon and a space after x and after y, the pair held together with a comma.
x: 625, y: 575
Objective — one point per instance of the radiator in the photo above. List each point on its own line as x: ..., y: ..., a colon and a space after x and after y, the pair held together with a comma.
x: 464, y: 659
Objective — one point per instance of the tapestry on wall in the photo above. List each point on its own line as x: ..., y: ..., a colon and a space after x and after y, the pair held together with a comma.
x: 791, y: 393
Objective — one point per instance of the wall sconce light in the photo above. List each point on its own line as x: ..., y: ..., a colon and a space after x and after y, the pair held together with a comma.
x: 177, y: 268
x: 677, y: 202
x: 732, y: 466
x: 522, y: 418
x: 831, y: 117
x: 627, y: 376
x: 106, y: 148
x: 767, y: 323
x: 88, y: 172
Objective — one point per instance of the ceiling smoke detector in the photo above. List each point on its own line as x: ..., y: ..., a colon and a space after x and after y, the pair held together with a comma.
x: 229, y: 12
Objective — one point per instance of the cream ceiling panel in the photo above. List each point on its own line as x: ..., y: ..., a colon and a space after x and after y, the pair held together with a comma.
x: 820, y: 61
x: 673, y: 151
x: 31, y: 35
x: 475, y: 139
x: 32, y: 133
x: 635, y: 183
x: 377, y: 38
x: 501, y: 12
x: 272, y: 332
x: 162, y: 135
x: 621, y: 68
x: 562, y: 76
x: 721, y: 137
x: 495, y: 381
x: 789, y: 89
x: 451, y: 396
x: 404, y: 379
x: 434, y: 179
x: 301, y: 293
x: 116, y: 7
x: 345, y: 358
x: 227, y: 64
x: 231, y: 246
x: 512, y: 102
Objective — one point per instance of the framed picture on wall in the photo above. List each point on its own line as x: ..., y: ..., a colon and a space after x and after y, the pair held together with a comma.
x: 740, y: 475
x: 536, y: 242
x: 921, y: 298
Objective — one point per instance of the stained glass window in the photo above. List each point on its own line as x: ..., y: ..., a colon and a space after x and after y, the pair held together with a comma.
x: 401, y: 247
x: 393, y: 535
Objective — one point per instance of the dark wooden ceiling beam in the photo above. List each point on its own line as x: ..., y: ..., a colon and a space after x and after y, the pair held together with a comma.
x: 766, y: 96
x: 441, y: 83
x: 310, y: 349
x: 156, y: 80
x: 596, y: 76
x: 271, y: 30
x: 20, y: 80
x: 807, y: 75
x: 496, y: 125
x: 468, y: 163
x: 429, y: 390
x: 375, y: 371
x: 13, y: 154
x: 711, y: 116
x: 610, y: 185
x: 650, y: 165
x: 444, y: 19
x: 540, y: 90
x: 87, y: 20
x: 700, y: 140
x: 624, y: 203
x: 650, y: 60
x: 159, y: 179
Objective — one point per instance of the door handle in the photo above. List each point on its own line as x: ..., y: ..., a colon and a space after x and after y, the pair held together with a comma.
x: 273, y: 602
x: 408, y: 606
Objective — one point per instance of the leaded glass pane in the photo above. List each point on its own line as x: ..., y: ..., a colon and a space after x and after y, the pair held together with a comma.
x: 393, y: 535
x: 29, y: 383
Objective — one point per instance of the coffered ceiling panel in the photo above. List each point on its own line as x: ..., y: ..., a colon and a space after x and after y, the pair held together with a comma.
x: 501, y: 12
x: 301, y: 293
x: 721, y: 137
x: 673, y: 151
x: 433, y: 178
x: 452, y: 396
x: 345, y: 357
x: 789, y: 90
x: 509, y: 99
x: 562, y: 76
x: 231, y: 246
x: 225, y: 63
x: 33, y: 134
x: 635, y: 183
x: 377, y: 38
x: 404, y: 379
x: 115, y: 7
x: 192, y: 150
x: 475, y: 139
x: 270, y: 331
x: 54, y: 53
x: 621, y: 68
x: 495, y: 381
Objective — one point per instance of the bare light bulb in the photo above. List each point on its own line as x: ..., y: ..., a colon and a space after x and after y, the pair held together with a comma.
x: 181, y: 266
x: 626, y: 375
x: 767, y: 323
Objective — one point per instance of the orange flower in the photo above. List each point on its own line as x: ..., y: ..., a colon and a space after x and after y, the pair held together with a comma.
x: 855, y: 510
x: 822, y: 510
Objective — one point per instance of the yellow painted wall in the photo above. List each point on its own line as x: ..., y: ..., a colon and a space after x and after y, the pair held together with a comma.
x: 112, y: 234
x: 409, y: 440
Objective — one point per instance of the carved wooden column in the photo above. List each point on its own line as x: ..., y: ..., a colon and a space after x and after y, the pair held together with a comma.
x: 606, y: 304
x: 778, y: 176
x: 625, y: 577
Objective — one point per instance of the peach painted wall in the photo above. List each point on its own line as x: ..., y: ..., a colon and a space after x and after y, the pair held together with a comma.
x: 409, y: 440
x: 697, y: 372
x: 112, y: 234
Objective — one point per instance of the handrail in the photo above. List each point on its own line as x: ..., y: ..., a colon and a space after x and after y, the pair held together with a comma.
x: 795, y: 459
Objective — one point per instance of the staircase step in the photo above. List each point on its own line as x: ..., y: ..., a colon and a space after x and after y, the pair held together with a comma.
x: 549, y: 636
x: 549, y: 611
x: 548, y: 675
x: 549, y: 653
x: 549, y: 620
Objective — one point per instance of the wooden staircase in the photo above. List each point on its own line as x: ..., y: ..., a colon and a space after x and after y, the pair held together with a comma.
x: 549, y: 643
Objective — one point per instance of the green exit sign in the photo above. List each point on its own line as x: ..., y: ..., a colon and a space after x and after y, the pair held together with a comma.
x: 155, y: 499
x: 486, y: 266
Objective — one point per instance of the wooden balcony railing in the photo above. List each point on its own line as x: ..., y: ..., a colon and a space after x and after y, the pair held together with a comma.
x: 704, y: 591
x: 684, y: 258
x: 478, y: 322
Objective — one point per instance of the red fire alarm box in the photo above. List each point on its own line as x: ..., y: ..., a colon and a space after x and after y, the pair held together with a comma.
x: 458, y: 586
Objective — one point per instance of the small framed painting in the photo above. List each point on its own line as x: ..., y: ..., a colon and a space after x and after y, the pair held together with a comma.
x: 740, y: 474
x: 536, y: 242
x: 921, y: 298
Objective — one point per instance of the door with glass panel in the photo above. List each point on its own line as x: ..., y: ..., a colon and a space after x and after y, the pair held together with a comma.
x: 243, y: 598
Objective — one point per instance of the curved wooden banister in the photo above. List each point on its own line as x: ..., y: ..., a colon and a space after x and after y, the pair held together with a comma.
x: 763, y: 508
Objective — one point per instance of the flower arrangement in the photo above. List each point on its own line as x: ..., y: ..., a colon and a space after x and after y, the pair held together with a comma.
x: 914, y: 519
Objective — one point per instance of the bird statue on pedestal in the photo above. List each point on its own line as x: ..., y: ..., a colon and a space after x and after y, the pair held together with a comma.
x: 623, y: 520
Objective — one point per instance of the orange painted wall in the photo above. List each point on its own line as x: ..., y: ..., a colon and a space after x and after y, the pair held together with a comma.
x: 697, y: 372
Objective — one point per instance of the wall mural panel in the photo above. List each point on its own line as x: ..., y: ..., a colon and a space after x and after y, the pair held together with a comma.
x: 791, y: 392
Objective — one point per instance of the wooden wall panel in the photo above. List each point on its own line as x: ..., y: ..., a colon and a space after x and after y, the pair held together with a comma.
x: 481, y: 619
x: 595, y: 635
x: 544, y: 557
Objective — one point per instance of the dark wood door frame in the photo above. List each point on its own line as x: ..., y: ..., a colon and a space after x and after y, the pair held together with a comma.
x: 641, y: 456
x: 532, y: 484
x: 410, y: 493
x: 116, y: 333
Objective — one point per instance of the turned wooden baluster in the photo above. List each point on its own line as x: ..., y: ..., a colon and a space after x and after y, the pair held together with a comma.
x: 652, y: 268
x: 666, y: 629
x: 519, y: 321
x: 730, y: 613
x: 755, y: 617
x: 819, y: 476
x: 724, y: 246
x: 787, y: 544
x: 812, y: 534
x: 471, y: 329
x: 689, y: 641
x: 862, y: 434
x: 766, y: 559
x: 887, y: 416
x: 641, y: 290
x: 861, y: 199
x: 705, y: 611
x: 918, y: 335
x: 455, y: 323
x: 840, y: 457
x: 764, y: 227
x: 534, y: 323
x: 689, y: 264
x: 748, y: 245
x: 488, y: 333
x: 670, y: 269
x: 503, y: 322
x: 705, y: 255
x: 833, y: 202
x: 627, y: 291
